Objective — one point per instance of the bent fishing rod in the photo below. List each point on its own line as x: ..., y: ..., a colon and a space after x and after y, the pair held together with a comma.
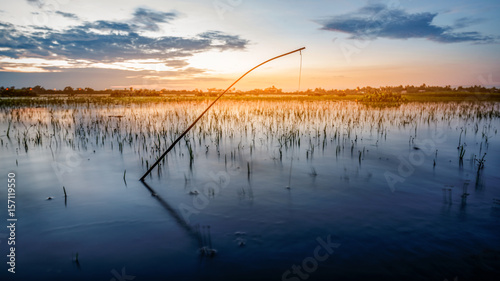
x: 201, y: 115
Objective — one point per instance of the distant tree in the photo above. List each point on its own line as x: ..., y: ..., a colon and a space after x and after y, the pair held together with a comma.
x: 319, y: 91
x: 38, y: 89
x: 68, y: 90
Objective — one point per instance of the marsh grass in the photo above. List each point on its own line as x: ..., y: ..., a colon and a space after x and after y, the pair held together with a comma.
x: 461, y: 154
x: 480, y: 163
x: 233, y: 127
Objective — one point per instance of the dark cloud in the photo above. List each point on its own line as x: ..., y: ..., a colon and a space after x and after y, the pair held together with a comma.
x: 109, y: 26
x: 378, y: 20
x: 466, y: 22
x: 224, y: 41
x: 38, y: 3
x: 6, y: 24
x: 67, y: 15
x: 112, y: 41
x: 148, y: 19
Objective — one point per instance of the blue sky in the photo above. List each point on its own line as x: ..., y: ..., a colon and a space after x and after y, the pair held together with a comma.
x: 205, y: 44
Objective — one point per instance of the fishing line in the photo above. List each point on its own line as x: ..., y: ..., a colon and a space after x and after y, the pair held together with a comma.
x: 300, y: 70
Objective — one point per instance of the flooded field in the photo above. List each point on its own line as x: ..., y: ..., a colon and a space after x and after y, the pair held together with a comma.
x: 275, y: 190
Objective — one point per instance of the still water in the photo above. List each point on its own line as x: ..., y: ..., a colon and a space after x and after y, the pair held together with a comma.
x: 266, y: 190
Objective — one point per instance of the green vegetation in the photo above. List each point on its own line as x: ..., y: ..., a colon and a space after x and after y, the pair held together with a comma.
x: 384, y: 97
x: 39, y: 96
x: 99, y: 99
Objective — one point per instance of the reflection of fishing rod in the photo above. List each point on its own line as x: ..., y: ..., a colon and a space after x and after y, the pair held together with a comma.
x: 199, y: 117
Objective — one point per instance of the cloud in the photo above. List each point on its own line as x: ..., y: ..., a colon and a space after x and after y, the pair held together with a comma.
x: 38, y: 3
x: 143, y: 20
x: 68, y: 15
x: 112, y: 41
x: 176, y: 63
x: 466, y: 22
x: 223, y: 41
x: 107, y: 26
x: 379, y: 21
x: 148, y: 19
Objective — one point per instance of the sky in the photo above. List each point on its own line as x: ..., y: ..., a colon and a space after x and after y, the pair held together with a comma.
x: 200, y: 44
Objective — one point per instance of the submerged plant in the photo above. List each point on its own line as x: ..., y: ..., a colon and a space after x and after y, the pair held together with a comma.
x: 480, y: 163
x: 8, y: 128
x: 461, y: 154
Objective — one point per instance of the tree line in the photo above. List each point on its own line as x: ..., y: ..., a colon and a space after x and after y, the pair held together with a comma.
x: 70, y: 91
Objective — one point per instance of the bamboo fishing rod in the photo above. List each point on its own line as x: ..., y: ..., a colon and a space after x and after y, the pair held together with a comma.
x: 201, y: 115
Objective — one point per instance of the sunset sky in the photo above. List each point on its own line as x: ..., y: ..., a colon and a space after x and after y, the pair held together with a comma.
x: 205, y: 44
